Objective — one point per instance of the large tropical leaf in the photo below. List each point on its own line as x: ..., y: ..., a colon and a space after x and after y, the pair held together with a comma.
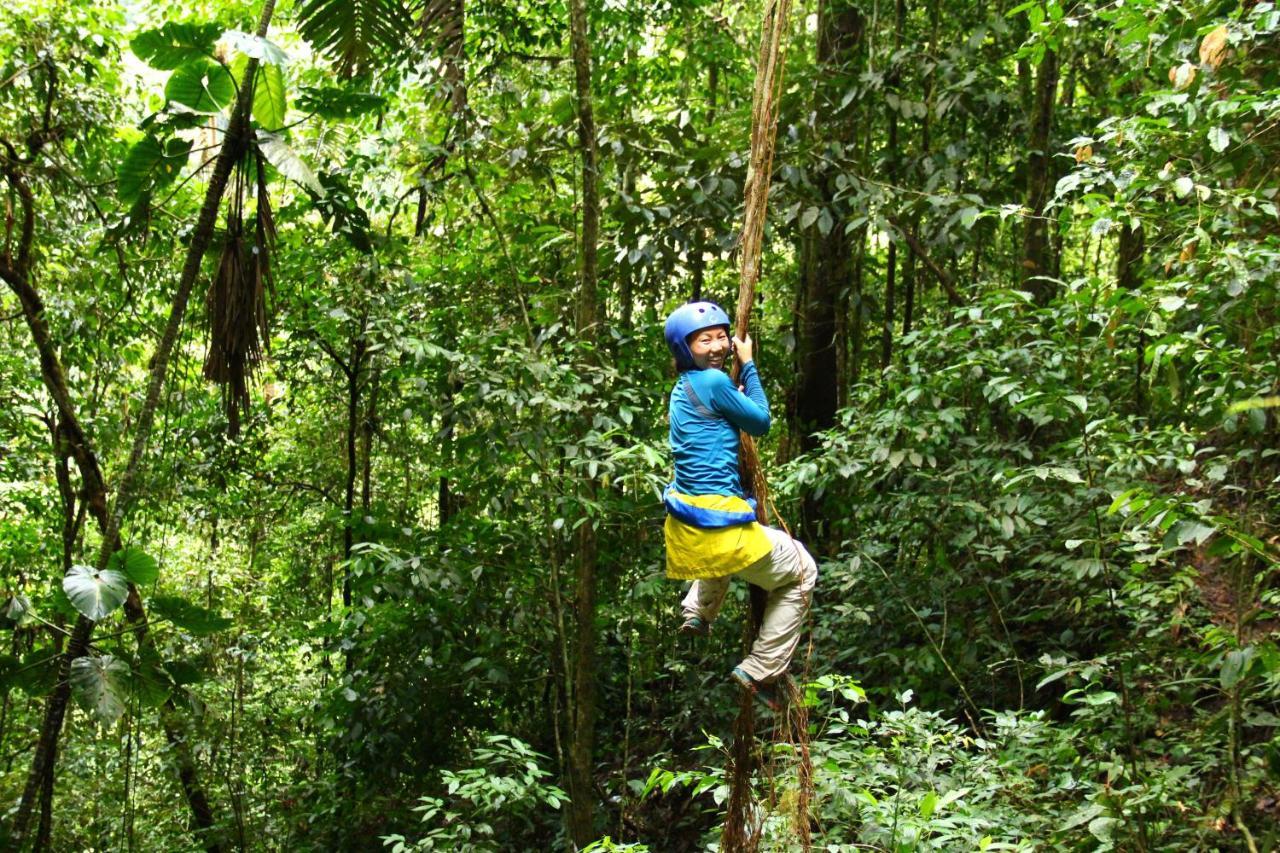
x: 194, y: 618
x: 135, y: 564
x: 184, y: 672
x: 173, y: 44
x: 95, y: 594
x: 269, y: 103
x: 256, y: 47
x: 202, y: 86
x: 100, y: 684
x: 358, y: 34
x: 15, y: 611
x: 148, y: 165
x: 287, y: 162
x: 333, y: 102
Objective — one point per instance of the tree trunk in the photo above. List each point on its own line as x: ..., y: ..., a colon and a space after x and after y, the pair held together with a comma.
x: 355, y: 382
x: 859, y: 308
x: 892, y: 157
x: 1129, y: 253
x: 1035, y: 235
x: 581, y: 813
x: 825, y: 258
x: 368, y: 427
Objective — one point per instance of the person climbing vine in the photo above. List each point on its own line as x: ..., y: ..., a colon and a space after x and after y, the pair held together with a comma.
x: 711, y: 530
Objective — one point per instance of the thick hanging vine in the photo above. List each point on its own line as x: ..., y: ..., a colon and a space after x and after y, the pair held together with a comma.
x: 743, y: 824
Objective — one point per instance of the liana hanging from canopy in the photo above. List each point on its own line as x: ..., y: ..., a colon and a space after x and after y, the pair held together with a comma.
x: 717, y: 506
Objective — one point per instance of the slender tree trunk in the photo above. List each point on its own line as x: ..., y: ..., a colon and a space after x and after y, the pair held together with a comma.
x: 893, y: 158
x: 910, y: 274
x: 1129, y: 253
x: 356, y: 380
x: 909, y: 298
x: 444, y: 493
x: 355, y: 383
x: 825, y: 257
x: 1035, y: 235
x: 859, y: 311
x: 368, y: 427
x: 581, y: 813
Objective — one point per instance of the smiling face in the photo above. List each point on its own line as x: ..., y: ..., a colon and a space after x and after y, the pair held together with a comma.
x: 710, y: 347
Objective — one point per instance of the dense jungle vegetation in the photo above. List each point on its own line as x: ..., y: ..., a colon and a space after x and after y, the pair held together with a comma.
x: 333, y: 427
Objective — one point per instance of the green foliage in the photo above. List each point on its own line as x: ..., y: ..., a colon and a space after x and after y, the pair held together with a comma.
x: 202, y: 86
x: 1047, y: 522
x: 278, y: 153
x: 190, y: 617
x: 269, y: 105
x: 139, y: 567
x: 95, y: 594
x: 175, y: 44
x: 485, y: 805
x: 333, y: 102
x: 100, y: 685
x: 150, y: 165
x: 357, y: 33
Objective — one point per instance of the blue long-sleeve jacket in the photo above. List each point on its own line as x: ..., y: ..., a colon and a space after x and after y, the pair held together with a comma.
x: 704, y: 434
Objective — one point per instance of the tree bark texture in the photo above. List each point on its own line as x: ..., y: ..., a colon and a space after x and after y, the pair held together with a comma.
x: 588, y: 299
x: 1129, y: 254
x: 892, y: 159
x: 1035, y: 235
x: 581, y: 813
x: 826, y: 259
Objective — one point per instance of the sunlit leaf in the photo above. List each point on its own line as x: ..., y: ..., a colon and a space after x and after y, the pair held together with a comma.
x: 135, y: 564
x: 95, y: 594
x: 355, y: 32
x: 255, y: 47
x: 173, y: 44
x: 202, y: 86
x: 1219, y: 139
x: 332, y: 102
x: 100, y: 685
x: 269, y: 104
x: 287, y: 162
x: 269, y: 100
x: 1213, y: 47
x: 1182, y: 76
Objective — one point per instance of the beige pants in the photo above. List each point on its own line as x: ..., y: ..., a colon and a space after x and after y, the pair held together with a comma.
x: 788, y: 574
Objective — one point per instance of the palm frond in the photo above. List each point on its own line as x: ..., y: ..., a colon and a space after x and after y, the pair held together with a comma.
x: 357, y: 34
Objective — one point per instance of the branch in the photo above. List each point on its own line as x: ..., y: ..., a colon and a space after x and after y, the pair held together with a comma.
x: 55, y: 381
x: 19, y: 184
x: 917, y: 246
x: 337, y: 359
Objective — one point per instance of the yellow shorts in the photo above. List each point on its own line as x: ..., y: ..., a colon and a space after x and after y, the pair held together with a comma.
x: 695, y: 553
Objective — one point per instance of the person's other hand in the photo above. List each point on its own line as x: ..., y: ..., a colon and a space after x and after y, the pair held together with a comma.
x: 743, y: 349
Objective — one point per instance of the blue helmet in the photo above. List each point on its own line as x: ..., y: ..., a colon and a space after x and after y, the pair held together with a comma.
x: 687, y: 319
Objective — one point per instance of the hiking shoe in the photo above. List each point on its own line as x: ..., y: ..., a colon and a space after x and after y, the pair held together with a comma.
x: 695, y: 626
x: 768, y: 692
